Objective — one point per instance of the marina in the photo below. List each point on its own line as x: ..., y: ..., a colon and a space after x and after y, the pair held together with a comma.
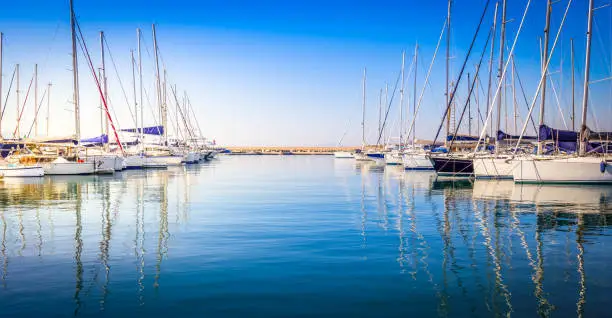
x: 449, y: 160
x: 325, y: 236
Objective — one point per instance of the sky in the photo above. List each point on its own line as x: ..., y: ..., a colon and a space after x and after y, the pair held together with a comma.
x: 290, y: 72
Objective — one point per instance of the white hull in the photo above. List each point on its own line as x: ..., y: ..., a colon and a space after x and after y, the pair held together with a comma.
x: 360, y: 156
x: 68, y: 168
x: 343, y: 155
x: 119, y: 163
x: 21, y: 171
x: 102, y: 164
x: 417, y: 161
x: 562, y: 170
x: 167, y: 160
x: 190, y: 157
x: 394, y: 159
x: 134, y: 162
x: 494, y: 168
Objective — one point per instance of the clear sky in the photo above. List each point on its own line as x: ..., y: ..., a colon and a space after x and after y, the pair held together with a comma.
x: 289, y: 72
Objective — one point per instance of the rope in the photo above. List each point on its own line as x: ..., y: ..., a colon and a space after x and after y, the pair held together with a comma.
x: 83, y: 46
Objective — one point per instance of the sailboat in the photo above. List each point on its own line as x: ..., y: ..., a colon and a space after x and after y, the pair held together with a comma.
x: 395, y: 156
x: 415, y: 157
x: 360, y: 154
x: 61, y: 166
x: 590, y: 165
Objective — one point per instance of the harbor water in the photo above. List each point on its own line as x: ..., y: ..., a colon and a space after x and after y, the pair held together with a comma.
x: 283, y: 236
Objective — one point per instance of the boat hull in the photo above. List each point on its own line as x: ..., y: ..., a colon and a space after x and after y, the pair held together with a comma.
x: 394, y: 159
x: 417, y: 162
x: 167, y: 160
x: 360, y: 156
x: 68, y: 168
x: 102, y: 164
x: 453, y: 167
x: 343, y: 155
x: 494, y: 168
x: 580, y: 170
x: 22, y: 172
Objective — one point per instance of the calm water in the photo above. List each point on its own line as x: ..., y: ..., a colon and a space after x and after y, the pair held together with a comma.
x: 301, y: 236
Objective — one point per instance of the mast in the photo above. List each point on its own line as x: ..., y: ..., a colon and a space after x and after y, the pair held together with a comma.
x: 401, y: 105
x: 1, y: 40
x: 380, y: 112
x: 448, y: 39
x: 134, y: 87
x: 544, y: 63
x: 141, y: 105
x: 492, y: 55
x: 105, y: 87
x: 502, y: 46
x: 363, y: 141
x: 587, y: 66
x: 48, y: 106
x: 161, y: 106
x: 386, y: 103
x: 75, y: 75
x: 35, y: 99
x: 17, y: 91
x: 573, y: 89
x: 515, y: 112
x: 414, y: 89
x: 469, y: 102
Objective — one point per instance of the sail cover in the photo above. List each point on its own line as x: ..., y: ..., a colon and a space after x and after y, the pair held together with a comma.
x: 102, y: 139
x: 154, y: 130
x: 548, y: 133
x: 503, y: 136
x: 461, y: 138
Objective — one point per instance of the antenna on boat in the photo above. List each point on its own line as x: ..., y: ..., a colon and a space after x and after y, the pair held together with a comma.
x: 363, y: 140
x: 448, y: 39
x: 141, y: 105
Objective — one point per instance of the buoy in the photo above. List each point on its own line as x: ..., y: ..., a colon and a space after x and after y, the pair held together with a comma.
x: 602, y: 166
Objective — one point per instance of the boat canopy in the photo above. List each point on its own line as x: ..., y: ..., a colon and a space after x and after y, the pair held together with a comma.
x: 503, y: 136
x: 154, y: 130
x: 102, y: 139
x: 461, y: 138
x: 549, y: 133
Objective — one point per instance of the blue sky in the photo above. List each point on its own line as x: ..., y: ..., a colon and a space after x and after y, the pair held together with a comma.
x: 282, y: 72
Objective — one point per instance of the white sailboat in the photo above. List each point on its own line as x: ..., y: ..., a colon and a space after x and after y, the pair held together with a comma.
x: 360, y: 155
x: 61, y: 166
x: 570, y: 169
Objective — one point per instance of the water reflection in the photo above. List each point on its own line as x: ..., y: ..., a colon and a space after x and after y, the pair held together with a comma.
x: 236, y: 243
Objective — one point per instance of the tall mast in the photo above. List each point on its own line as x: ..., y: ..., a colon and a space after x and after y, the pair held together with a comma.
x: 414, y: 93
x: 48, y: 106
x: 502, y: 46
x: 17, y: 91
x: 380, y: 112
x: 492, y: 54
x: 401, y: 105
x: 363, y: 141
x: 133, y: 61
x: 75, y: 75
x: 448, y: 39
x: 385, y: 106
x: 573, y: 89
x: 1, y: 39
x: 35, y: 99
x: 105, y: 87
x: 515, y: 111
x: 141, y: 105
x: 469, y: 106
x: 587, y: 66
x: 161, y: 106
x: 544, y: 63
